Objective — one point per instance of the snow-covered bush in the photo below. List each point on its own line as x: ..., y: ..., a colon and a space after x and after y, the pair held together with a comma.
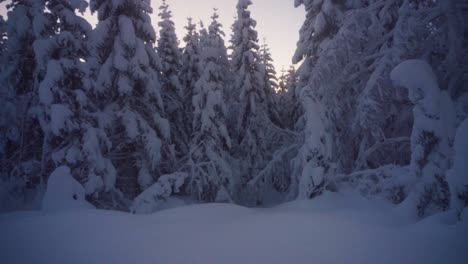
x: 155, y: 197
x: 388, y: 182
x: 64, y: 192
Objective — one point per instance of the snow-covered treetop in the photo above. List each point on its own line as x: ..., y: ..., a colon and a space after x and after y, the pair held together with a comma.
x: 138, y: 9
x: 244, y: 4
x: 165, y: 13
x: 190, y: 71
x: 267, y: 61
x: 106, y: 8
x: 22, y: 13
x: 215, y: 28
x: 216, y: 35
x: 65, y: 11
x: 192, y: 35
x: 72, y: 31
x: 322, y: 17
x: 168, y: 44
x: 245, y: 37
x: 134, y: 33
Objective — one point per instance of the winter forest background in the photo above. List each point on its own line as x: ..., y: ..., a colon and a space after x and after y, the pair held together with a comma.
x: 124, y: 116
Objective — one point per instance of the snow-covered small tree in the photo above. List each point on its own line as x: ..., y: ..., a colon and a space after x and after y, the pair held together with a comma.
x: 172, y: 88
x: 432, y: 136
x: 127, y: 85
x: 210, y: 171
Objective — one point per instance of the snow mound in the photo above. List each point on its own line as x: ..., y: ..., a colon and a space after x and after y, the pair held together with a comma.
x: 64, y: 192
x: 158, y: 196
x: 334, y: 228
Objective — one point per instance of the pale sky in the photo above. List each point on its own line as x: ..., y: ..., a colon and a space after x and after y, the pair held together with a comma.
x: 277, y: 21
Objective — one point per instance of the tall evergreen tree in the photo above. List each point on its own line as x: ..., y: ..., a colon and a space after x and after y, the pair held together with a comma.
x: 190, y: 71
x: 173, y: 90
x: 71, y: 135
x: 271, y: 83
x: 21, y: 136
x: 212, y: 178
x: 252, y: 116
x: 127, y: 84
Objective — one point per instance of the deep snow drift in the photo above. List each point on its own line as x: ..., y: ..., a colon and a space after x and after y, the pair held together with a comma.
x: 334, y: 228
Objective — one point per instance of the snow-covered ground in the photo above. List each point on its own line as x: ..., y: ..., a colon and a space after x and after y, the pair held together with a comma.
x: 335, y: 228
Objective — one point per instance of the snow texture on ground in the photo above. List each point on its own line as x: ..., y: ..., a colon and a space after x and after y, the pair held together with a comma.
x: 334, y: 228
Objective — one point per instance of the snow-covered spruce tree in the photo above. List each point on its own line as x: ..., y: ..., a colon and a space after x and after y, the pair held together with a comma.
x: 422, y: 29
x: 313, y: 162
x: 172, y: 88
x: 71, y: 135
x: 207, y: 174
x: 349, y: 49
x: 258, y: 139
x: 190, y: 71
x: 209, y: 169
x: 271, y: 83
x: 128, y: 90
x: 252, y: 116
x: 21, y: 136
